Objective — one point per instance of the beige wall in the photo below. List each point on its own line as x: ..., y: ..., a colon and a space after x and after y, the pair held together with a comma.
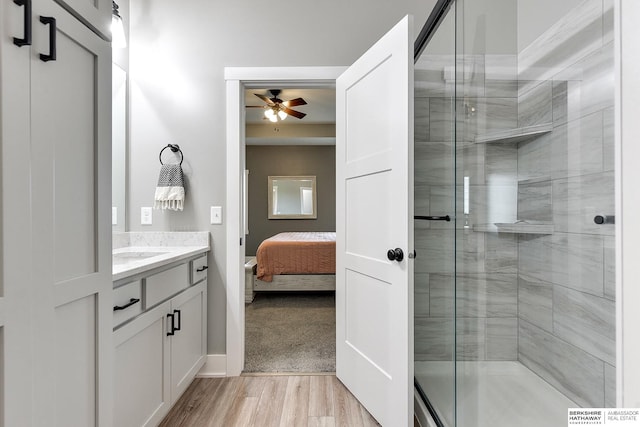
x: 263, y: 161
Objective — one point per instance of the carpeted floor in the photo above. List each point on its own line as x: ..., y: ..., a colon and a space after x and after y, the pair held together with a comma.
x: 291, y: 332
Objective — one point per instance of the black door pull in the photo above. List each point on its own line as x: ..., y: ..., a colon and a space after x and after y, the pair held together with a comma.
x: 433, y: 218
x: 604, y: 219
x: 179, y: 317
x: 26, y: 39
x: 201, y: 269
x: 395, y: 254
x: 51, y: 22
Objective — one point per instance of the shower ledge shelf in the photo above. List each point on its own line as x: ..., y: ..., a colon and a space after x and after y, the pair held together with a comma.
x: 516, y: 228
x: 514, y: 136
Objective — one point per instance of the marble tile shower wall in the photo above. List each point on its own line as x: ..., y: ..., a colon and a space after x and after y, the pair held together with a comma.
x: 545, y: 300
x: 566, y: 286
x: 486, y: 263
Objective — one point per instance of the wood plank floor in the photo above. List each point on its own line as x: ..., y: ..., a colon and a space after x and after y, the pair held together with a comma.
x: 268, y: 401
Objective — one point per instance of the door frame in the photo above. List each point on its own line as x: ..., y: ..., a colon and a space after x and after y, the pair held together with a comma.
x: 237, y: 79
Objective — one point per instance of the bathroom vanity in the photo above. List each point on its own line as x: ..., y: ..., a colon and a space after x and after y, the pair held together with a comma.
x: 159, y: 321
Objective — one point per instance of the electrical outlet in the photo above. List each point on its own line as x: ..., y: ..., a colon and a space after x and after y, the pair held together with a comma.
x: 216, y: 214
x: 146, y: 216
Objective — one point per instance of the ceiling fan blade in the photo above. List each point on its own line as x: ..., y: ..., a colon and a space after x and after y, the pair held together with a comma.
x: 256, y: 106
x: 293, y: 113
x: 294, y: 102
x: 264, y: 98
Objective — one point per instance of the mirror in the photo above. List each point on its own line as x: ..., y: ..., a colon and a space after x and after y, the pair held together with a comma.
x: 118, y: 148
x: 292, y: 197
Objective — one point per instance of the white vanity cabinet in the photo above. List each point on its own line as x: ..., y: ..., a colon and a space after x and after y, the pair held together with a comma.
x: 55, y: 135
x: 158, y: 353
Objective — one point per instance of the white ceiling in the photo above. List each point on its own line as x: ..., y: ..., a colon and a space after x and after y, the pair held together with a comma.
x: 320, y: 109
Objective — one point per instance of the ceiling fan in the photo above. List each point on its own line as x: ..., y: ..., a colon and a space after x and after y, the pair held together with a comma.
x: 276, y: 108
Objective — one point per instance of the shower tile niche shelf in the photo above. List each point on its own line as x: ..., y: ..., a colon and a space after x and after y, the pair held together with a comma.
x: 514, y: 136
x: 520, y: 227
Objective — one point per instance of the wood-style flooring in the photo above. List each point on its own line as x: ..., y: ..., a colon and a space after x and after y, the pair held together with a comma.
x: 268, y: 401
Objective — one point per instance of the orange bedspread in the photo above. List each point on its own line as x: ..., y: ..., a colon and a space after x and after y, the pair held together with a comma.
x: 297, y: 253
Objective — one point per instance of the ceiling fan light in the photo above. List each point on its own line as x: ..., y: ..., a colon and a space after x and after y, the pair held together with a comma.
x: 268, y: 113
x: 282, y: 115
x: 273, y: 118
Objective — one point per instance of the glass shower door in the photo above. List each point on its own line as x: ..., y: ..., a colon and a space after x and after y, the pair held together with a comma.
x: 435, y: 320
x: 515, y: 295
x: 535, y: 295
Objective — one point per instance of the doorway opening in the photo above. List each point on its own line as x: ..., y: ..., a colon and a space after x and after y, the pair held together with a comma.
x: 238, y: 81
x: 289, y: 214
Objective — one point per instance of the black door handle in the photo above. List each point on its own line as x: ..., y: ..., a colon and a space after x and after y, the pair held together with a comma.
x: 172, y: 329
x: 604, y: 219
x: 201, y: 269
x: 395, y: 254
x: 179, y: 317
x: 131, y: 302
x: 51, y: 22
x: 26, y: 40
x: 433, y: 218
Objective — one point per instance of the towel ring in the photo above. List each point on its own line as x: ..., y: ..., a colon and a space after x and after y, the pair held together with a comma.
x: 175, y: 148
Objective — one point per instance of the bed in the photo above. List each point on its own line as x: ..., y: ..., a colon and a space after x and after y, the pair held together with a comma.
x: 296, y: 261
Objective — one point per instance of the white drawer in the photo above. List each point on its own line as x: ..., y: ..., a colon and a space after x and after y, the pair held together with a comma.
x: 198, y: 269
x: 127, y: 302
x: 163, y: 285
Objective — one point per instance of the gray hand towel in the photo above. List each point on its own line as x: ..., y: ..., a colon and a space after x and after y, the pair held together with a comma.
x: 170, y: 189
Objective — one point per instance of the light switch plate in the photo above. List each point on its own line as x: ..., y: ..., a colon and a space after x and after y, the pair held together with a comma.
x: 146, y: 216
x: 114, y: 215
x: 216, y: 214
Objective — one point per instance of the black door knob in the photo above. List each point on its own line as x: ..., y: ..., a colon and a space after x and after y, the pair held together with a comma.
x: 395, y: 254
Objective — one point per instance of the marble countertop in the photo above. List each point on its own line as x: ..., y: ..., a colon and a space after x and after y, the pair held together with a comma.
x: 137, y: 252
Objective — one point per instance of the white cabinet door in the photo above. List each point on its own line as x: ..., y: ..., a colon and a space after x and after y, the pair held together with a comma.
x: 15, y: 222
x: 71, y: 231
x: 141, y: 363
x: 188, y: 344
x: 374, y: 305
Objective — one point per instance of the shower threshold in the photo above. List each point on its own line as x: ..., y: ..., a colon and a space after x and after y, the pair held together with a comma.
x: 493, y: 394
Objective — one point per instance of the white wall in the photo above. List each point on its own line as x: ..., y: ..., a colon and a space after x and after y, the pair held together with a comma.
x: 481, y: 26
x: 536, y: 16
x: 178, y: 54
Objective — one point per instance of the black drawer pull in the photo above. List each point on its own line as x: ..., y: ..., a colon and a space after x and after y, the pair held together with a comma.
x: 201, y: 269
x: 131, y: 302
x: 51, y: 22
x: 172, y: 329
x: 26, y: 40
x: 433, y: 218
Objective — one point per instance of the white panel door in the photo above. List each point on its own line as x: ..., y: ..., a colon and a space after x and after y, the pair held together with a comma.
x: 374, y: 295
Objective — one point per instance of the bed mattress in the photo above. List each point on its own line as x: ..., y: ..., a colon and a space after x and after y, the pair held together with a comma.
x: 297, y: 253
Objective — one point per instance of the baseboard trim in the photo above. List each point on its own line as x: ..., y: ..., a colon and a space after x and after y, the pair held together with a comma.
x: 421, y: 412
x: 215, y: 366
